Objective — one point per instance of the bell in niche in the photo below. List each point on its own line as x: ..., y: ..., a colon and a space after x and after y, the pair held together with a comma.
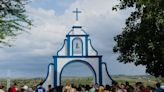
x: 77, y: 46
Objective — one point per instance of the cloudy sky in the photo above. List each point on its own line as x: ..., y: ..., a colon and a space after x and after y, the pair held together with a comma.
x: 32, y: 52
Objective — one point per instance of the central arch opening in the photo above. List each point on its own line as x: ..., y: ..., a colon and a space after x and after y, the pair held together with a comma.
x: 77, y: 72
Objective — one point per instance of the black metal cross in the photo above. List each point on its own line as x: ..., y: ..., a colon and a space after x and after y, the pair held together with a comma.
x: 77, y: 17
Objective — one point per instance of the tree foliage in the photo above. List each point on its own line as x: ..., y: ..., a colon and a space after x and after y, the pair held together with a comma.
x: 13, y: 18
x: 142, y: 39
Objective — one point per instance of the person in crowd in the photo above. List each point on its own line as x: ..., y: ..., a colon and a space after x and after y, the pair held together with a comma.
x: 123, y: 88
x: 92, y: 89
x: 116, y: 87
x: 127, y: 85
x: 129, y: 88
x: 74, y: 89
x: 13, y: 88
x: 158, y: 87
x: 49, y: 87
x: 87, y: 87
x: 137, y: 86
x: 79, y: 88
x: 22, y: 90
x: 101, y: 88
x: 40, y: 88
x: 1, y: 88
x: 52, y: 90
x: 68, y: 87
x: 26, y: 88
x: 30, y: 89
x: 108, y: 88
x: 83, y: 88
x: 96, y: 86
x: 143, y: 89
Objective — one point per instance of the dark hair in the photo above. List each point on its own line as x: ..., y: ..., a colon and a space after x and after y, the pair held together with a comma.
x: 49, y: 86
x: 126, y: 83
x: 41, y: 84
x: 1, y: 87
x: 158, y: 84
x: 15, y: 84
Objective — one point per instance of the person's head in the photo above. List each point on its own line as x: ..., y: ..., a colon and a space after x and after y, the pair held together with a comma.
x: 30, y: 90
x: 15, y: 84
x: 40, y: 84
x: 141, y: 87
x: 101, y: 88
x: 122, y: 86
x: 82, y: 86
x: 127, y: 83
x: 158, y: 85
x: 138, y: 84
x: 49, y: 86
x: 114, y: 83
x: 22, y: 89
x: 25, y: 87
x: 1, y: 86
x: 96, y: 84
x: 68, y: 83
x: 91, y: 84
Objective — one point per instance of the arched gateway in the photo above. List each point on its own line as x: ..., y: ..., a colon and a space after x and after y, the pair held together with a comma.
x: 77, y: 47
x: 83, y: 63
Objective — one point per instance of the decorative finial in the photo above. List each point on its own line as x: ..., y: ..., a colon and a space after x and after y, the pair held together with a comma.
x: 77, y: 17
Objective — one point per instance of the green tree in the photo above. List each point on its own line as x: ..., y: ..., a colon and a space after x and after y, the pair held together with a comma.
x: 142, y: 39
x: 13, y: 19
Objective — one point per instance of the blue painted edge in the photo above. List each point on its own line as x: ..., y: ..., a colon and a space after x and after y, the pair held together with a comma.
x: 107, y: 70
x: 92, y: 46
x: 47, y: 73
x: 100, y: 71
x: 76, y: 35
x: 77, y: 27
x: 73, y: 45
x: 81, y: 61
x: 62, y: 46
x: 68, y: 46
x: 69, y: 32
x: 55, y: 71
x: 86, y: 45
x: 78, y: 56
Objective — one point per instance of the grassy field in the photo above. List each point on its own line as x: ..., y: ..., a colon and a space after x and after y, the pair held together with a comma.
x: 76, y: 80
x: 146, y: 79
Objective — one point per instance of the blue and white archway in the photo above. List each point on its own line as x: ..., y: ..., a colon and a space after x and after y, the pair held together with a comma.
x: 77, y: 47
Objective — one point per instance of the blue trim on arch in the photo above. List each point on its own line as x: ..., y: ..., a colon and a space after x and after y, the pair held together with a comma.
x: 77, y: 27
x: 73, y: 46
x: 73, y: 27
x: 68, y: 46
x: 92, y: 46
x: 107, y: 70
x: 86, y: 45
x: 78, y: 56
x: 79, y: 61
x: 62, y: 46
x: 100, y: 71
x: 55, y: 71
x: 69, y: 32
x: 47, y: 73
x: 76, y: 35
